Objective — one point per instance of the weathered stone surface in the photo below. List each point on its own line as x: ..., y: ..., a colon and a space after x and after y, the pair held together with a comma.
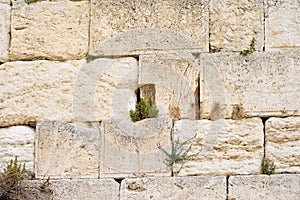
x: 261, y: 84
x: 176, y: 84
x: 145, y: 25
x: 233, y: 24
x: 4, y: 31
x: 224, y: 146
x: 283, y: 143
x: 67, y: 151
x: 17, y: 141
x: 5, y: 1
x: 130, y: 149
x: 282, y: 25
x: 49, y: 30
x: 283, y: 186
x: 189, y: 188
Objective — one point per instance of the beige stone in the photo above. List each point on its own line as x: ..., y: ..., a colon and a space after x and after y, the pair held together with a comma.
x: 5, y: 1
x: 130, y: 149
x: 64, y: 150
x: 4, y: 31
x: 282, y: 25
x: 283, y: 186
x: 202, y: 187
x: 49, y: 30
x: 221, y: 147
x: 17, y: 141
x: 145, y: 25
x: 260, y: 84
x: 283, y: 143
x: 176, y: 84
x: 233, y: 24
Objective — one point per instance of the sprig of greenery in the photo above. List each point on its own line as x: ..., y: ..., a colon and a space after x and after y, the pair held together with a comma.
x: 250, y: 50
x: 89, y: 57
x: 31, y: 1
x: 266, y: 168
x: 143, y: 110
x: 15, y: 171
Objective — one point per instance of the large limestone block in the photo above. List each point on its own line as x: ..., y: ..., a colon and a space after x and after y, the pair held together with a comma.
x: 17, y: 141
x: 283, y: 143
x: 4, y: 31
x: 222, y: 147
x: 49, y: 30
x: 176, y: 84
x: 148, y: 25
x: 64, y: 150
x: 282, y: 25
x: 261, y: 84
x: 283, y: 186
x: 233, y: 24
x: 202, y: 187
x: 130, y: 149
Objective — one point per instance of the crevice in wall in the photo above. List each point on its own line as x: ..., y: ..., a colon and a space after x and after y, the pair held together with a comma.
x: 227, y: 187
x: 264, y: 119
x: 264, y: 16
x: 197, y: 99
x: 89, y: 27
x: 119, y: 180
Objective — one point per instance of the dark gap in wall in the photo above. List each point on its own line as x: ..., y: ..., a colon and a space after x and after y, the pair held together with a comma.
x: 197, y: 99
x: 227, y: 187
x: 89, y: 27
x: 119, y: 180
x: 138, y: 95
x: 264, y: 119
x: 264, y: 16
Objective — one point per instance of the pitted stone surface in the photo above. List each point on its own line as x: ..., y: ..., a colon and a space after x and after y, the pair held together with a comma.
x: 4, y: 31
x: 283, y: 143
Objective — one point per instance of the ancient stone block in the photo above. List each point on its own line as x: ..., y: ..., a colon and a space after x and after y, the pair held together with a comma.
x: 49, y: 30
x: 176, y: 83
x: 202, y: 187
x: 233, y: 24
x: 220, y: 147
x: 64, y: 150
x: 4, y: 31
x: 260, y: 84
x: 17, y: 141
x: 143, y: 25
x: 282, y: 186
x: 283, y: 143
x: 131, y: 149
x: 282, y: 25
x: 5, y: 1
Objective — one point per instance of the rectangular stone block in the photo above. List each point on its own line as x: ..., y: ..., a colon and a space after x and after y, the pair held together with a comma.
x: 5, y: 1
x: 176, y: 84
x: 64, y: 150
x: 282, y: 25
x: 49, y: 30
x: 4, y: 31
x: 131, y: 149
x: 17, y: 141
x: 221, y: 147
x: 202, y: 187
x: 281, y: 186
x: 260, y: 84
x: 233, y: 24
x: 283, y: 143
x: 125, y: 27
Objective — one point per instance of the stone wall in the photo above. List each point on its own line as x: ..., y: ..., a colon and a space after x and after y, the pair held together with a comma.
x: 68, y: 119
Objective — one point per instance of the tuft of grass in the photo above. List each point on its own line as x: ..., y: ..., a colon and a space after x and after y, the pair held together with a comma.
x: 88, y: 57
x: 250, y: 50
x: 266, y: 168
x: 31, y: 1
x: 143, y: 109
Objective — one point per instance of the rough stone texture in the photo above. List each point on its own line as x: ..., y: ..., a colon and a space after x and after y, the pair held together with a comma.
x: 4, y: 31
x: 176, y: 84
x: 282, y: 25
x: 260, y: 84
x: 283, y: 143
x: 233, y: 24
x: 224, y: 146
x: 67, y: 151
x: 17, y: 141
x: 5, y: 1
x: 188, y: 188
x: 130, y: 149
x: 49, y: 30
x: 283, y: 186
x: 158, y: 25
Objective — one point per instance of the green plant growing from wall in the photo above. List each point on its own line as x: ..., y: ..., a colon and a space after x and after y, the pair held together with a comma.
x: 88, y: 57
x: 143, y: 109
x: 31, y: 1
x: 250, y: 50
x: 266, y: 168
x: 179, y: 154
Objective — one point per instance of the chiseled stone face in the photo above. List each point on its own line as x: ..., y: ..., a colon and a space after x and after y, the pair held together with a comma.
x: 233, y: 24
x: 282, y: 25
x: 260, y: 84
x: 221, y: 147
x: 49, y: 30
x: 281, y: 186
x: 17, y: 141
x: 283, y: 143
x: 4, y: 31
x: 202, y: 187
